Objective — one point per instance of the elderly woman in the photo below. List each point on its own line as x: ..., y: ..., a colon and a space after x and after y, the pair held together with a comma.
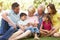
x: 55, y: 18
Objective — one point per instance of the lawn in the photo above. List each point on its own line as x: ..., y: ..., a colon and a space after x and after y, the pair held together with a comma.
x: 44, y: 38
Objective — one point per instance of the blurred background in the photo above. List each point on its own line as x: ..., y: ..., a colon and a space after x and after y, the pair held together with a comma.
x: 24, y: 4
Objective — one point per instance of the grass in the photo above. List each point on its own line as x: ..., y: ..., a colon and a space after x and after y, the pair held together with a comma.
x: 44, y: 38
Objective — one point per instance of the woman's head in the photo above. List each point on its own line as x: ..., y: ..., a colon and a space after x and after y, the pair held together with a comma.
x: 51, y: 8
x: 31, y: 11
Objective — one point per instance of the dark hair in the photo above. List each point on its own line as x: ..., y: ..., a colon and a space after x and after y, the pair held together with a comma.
x: 15, y: 5
x: 23, y: 14
x: 52, y: 6
x: 49, y: 18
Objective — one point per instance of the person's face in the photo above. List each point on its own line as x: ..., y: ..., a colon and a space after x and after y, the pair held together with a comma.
x: 16, y: 10
x: 40, y: 11
x: 30, y: 13
x: 49, y: 9
x: 24, y: 18
x: 45, y: 19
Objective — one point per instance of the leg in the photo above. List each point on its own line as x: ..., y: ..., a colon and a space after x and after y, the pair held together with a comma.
x: 16, y: 34
x: 4, y: 26
x: 56, y: 34
x: 23, y: 35
x: 43, y: 32
x: 8, y: 33
x: 53, y: 31
x: 36, y: 36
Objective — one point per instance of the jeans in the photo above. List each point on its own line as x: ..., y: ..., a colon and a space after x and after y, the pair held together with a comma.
x: 4, y: 26
x: 6, y: 30
x: 33, y: 29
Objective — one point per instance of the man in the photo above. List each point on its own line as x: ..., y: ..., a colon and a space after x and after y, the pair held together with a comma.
x: 9, y: 21
x: 40, y: 14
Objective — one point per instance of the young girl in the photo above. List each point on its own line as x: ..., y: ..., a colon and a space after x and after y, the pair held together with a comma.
x: 45, y: 28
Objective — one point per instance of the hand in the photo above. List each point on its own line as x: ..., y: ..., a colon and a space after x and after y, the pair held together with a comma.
x: 22, y: 28
x: 35, y: 24
x: 47, y: 31
x: 13, y: 25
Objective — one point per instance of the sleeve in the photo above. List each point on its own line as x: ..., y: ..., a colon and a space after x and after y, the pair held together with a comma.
x: 18, y: 23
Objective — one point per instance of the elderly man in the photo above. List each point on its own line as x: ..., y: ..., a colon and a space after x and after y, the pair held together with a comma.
x: 40, y: 14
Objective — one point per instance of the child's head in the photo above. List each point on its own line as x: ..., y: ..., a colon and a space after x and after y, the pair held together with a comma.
x: 46, y: 18
x: 23, y: 16
x: 31, y: 11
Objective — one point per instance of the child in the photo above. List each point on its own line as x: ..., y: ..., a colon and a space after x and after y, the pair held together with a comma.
x: 33, y: 21
x: 45, y: 28
x: 23, y: 23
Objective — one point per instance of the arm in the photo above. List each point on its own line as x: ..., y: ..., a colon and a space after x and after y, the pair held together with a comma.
x: 6, y: 18
x: 43, y: 29
x: 21, y: 27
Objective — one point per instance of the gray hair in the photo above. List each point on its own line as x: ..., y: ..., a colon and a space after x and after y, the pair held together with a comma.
x: 42, y: 6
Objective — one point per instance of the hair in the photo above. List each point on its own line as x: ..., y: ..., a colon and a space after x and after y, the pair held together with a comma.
x: 31, y: 9
x: 42, y: 6
x: 23, y: 14
x: 15, y: 5
x: 49, y: 18
x: 52, y: 6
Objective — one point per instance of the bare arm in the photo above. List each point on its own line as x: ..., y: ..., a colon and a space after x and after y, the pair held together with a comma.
x: 21, y: 27
x: 43, y: 29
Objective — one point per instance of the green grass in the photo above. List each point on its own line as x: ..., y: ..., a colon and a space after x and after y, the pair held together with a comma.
x: 44, y: 38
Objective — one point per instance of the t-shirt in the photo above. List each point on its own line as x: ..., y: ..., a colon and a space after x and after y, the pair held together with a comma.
x: 33, y: 19
x: 25, y: 22
x: 46, y: 26
x: 56, y: 21
x: 13, y: 16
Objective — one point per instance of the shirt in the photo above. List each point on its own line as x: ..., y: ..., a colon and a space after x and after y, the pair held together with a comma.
x: 39, y: 19
x: 21, y: 22
x: 46, y: 26
x: 56, y: 21
x: 13, y: 16
x: 33, y: 19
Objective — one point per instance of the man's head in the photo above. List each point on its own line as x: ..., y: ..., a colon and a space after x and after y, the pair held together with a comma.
x: 23, y: 16
x: 15, y: 7
x: 40, y: 9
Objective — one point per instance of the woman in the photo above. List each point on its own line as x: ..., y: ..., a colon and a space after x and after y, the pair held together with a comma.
x: 55, y: 18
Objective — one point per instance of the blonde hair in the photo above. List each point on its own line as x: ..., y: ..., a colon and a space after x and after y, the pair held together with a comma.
x: 31, y: 9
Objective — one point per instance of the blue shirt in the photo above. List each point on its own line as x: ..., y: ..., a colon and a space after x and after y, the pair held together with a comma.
x: 39, y: 19
x: 13, y: 16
